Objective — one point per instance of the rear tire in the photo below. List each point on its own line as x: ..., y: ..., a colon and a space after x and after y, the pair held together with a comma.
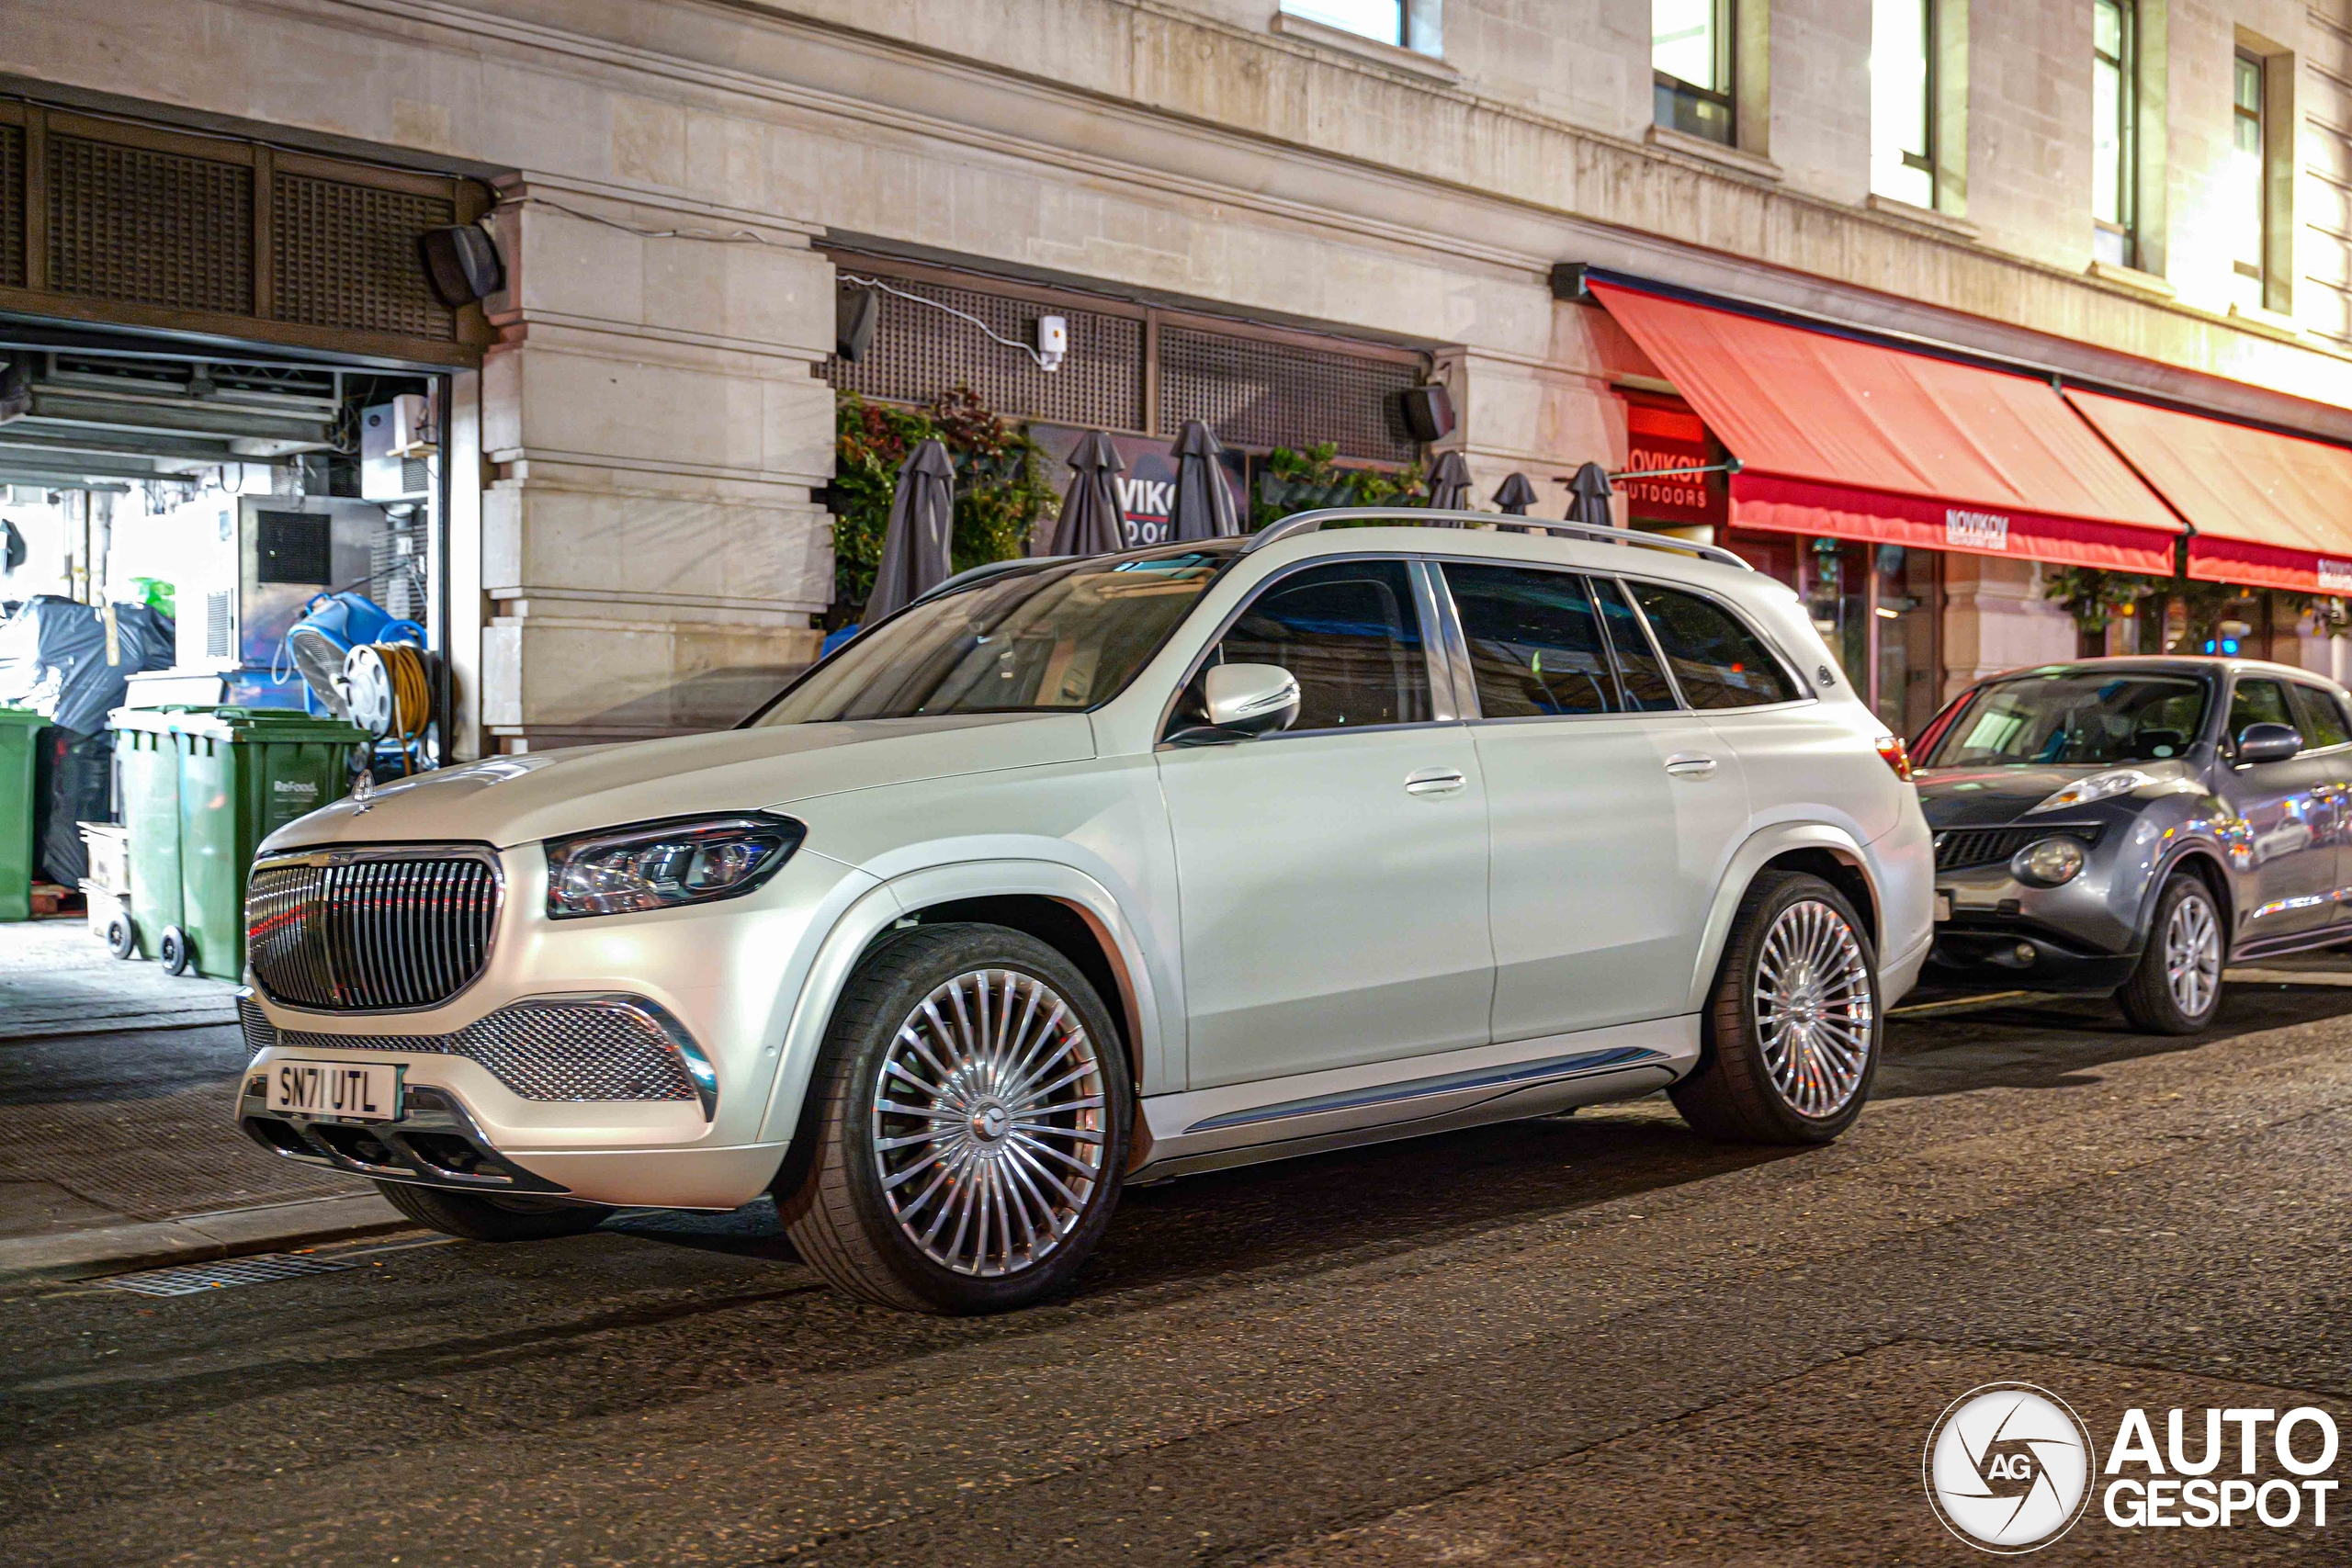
x: 1789, y: 1042
x: 173, y: 951
x: 2177, y: 988
x: 122, y: 937
x: 983, y: 1177
x: 486, y: 1218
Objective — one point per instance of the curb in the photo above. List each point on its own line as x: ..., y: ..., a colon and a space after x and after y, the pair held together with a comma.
x: 194, y: 1238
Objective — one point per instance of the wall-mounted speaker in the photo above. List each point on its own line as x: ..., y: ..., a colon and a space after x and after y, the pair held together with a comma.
x: 461, y: 264
x: 855, y: 311
x: 1428, y: 411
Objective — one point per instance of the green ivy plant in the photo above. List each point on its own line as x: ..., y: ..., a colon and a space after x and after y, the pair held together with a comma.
x: 2095, y: 597
x: 1303, y: 481
x: 1002, y: 489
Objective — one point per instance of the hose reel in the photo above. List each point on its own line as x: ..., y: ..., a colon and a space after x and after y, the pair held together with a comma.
x: 388, y: 687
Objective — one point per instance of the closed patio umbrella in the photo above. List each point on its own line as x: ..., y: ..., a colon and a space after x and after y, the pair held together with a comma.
x: 1591, y: 488
x: 1204, y: 507
x: 916, y: 541
x: 1516, y: 496
x: 1090, y: 523
x: 1449, y: 483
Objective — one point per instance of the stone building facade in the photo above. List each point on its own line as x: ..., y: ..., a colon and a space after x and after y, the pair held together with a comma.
x: 652, y: 418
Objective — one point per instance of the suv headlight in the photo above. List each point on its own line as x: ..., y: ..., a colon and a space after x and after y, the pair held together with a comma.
x: 2049, y: 862
x: 660, y: 866
x: 2098, y: 786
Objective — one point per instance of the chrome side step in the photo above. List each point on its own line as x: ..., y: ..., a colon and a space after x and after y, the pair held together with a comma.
x: 1308, y: 1112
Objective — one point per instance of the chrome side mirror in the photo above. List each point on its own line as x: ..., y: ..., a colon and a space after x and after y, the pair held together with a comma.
x: 2267, y: 743
x: 1250, y: 699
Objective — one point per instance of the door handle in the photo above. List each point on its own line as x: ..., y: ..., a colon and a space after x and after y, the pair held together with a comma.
x: 1434, y: 781
x: 1690, y: 765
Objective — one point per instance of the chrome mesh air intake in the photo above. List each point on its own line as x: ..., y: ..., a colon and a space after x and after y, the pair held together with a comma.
x: 372, y: 930
x: 616, y: 1048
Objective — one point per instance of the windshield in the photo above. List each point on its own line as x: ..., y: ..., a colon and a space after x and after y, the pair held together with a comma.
x: 1060, y: 636
x: 2076, y: 717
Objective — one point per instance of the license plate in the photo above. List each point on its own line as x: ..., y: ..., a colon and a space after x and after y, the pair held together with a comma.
x: 1944, y: 905
x: 337, y: 1091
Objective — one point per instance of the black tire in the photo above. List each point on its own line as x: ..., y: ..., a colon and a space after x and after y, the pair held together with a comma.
x: 122, y: 937
x: 482, y: 1217
x: 173, y: 950
x: 834, y: 1202
x: 1733, y: 1096
x: 2148, y: 999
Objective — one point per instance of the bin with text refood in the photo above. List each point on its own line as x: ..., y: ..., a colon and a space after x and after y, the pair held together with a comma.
x: 18, y: 728
x: 149, y: 760
x: 245, y: 772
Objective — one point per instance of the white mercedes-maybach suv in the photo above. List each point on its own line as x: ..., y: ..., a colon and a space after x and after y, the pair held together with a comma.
x: 1078, y: 872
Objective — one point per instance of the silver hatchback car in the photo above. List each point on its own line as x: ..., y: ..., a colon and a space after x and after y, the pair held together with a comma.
x: 1081, y: 873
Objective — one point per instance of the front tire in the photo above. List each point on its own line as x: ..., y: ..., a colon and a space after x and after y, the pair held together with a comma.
x: 2177, y: 988
x: 967, y: 1126
x: 488, y: 1218
x: 1789, y: 1039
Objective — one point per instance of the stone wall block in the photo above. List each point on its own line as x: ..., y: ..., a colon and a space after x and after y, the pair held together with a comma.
x: 645, y: 544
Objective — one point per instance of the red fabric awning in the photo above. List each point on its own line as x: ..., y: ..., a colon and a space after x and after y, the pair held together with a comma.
x: 1860, y: 441
x: 2270, y: 511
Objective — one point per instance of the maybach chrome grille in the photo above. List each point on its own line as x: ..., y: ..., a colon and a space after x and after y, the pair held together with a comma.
x: 367, y: 933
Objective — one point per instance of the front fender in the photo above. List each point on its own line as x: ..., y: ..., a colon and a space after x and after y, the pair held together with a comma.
x: 910, y: 884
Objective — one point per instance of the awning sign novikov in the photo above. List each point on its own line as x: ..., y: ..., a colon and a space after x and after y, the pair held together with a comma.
x: 2270, y: 511
x: 1857, y: 440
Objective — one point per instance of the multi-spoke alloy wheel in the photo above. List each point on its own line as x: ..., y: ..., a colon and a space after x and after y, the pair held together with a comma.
x: 988, y: 1123
x: 1813, y: 1013
x: 2193, y: 957
x: 2176, y: 986
x: 1789, y: 1039
x: 965, y: 1131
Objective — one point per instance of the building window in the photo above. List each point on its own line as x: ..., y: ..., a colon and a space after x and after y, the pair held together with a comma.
x: 1380, y: 19
x: 1903, y: 95
x: 1690, y: 69
x: 2115, y: 112
x: 2248, y: 202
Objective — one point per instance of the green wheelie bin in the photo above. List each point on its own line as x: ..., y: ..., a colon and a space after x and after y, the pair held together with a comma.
x: 149, y: 756
x: 17, y: 728
x: 243, y: 773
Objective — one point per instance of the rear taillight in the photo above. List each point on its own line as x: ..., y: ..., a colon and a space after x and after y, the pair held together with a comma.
x: 1891, y: 751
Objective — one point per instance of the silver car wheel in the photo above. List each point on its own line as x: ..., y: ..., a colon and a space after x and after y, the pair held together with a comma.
x: 989, y: 1122
x: 2193, y: 956
x: 1814, y: 1016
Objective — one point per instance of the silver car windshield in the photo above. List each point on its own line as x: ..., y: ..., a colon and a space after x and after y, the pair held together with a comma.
x: 1061, y: 636
x: 2075, y: 718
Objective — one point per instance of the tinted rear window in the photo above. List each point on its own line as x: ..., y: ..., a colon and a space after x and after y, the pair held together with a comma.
x: 1717, y: 662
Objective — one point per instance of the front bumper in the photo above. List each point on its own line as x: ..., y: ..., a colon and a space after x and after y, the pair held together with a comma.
x: 2013, y: 955
x: 514, y: 1084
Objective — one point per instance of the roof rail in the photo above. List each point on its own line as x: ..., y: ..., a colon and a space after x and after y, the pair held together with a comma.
x: 1309, y: 522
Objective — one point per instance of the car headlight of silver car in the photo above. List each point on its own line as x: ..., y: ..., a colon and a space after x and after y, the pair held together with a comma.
x: 2098, y: 786
x: 2049, y: 862
x: 661, y: 865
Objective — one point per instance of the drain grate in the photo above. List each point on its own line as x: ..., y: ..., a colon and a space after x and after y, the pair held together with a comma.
x: 189, y: 1279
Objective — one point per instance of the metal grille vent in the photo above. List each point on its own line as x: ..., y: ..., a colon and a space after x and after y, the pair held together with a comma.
x: 190, y: 1279
x: 344, y: 255
x: 12, y: 206
x: 217, y: 629
x: 155, y: 228
x: 1254, y: 393
x: 919, y: 354
x: 1957, y: 848
x: 542, y: 1051
x: 370, y: 934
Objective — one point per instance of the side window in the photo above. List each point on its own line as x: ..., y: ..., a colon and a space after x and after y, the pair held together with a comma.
x: 1642, y: 676
x: 2322, y: 718
x: 1351, y: 634
x: 1717, y: 662
x: 1535, y: 642
x: 2259, y: 701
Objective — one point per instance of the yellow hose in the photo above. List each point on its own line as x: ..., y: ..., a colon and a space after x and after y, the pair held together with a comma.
x: 412, y: 696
